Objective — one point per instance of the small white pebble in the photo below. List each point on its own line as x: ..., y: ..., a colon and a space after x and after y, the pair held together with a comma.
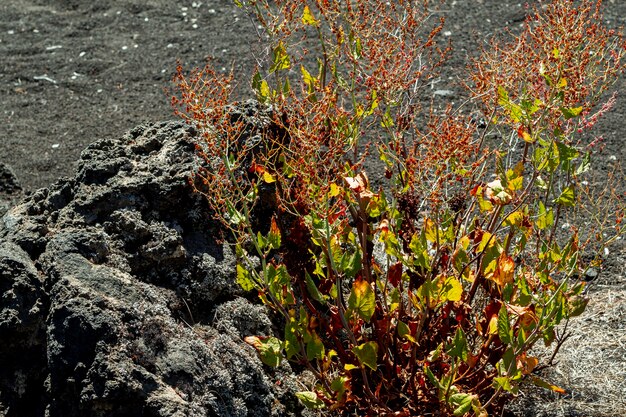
x: 613, y: 158
x: 584, y: 182
x: 11, y: 32
x: 35, y: 30
x: 195, y: 26
x: 447, y: 33
x: 135, y: 46
x: 212, y: 11
x: 184, y: 9
x: 163, y: 71
x: 99, y: 90
x: 606, y: 252
x: 124, y: 48
x: 56, y: 145
x: 184, y: 13
x: 119, y: 12
x: 145, y: 19
x: 564, y: 225
x: 170, y: 45
x: 82, y: 54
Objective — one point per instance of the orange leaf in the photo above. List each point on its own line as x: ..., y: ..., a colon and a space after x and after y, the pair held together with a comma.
x: 504, y: 270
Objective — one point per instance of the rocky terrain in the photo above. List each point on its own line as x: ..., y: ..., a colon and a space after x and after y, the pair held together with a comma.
x: 117, y: 299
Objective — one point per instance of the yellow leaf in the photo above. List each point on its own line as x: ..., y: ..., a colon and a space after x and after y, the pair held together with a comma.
x: 562, y: 83
x: 308, y: 18
x: 334, y: 190
x: 268, y: 178
x: 493, y: 325
x: 514, y: 219
x: 527, y: 137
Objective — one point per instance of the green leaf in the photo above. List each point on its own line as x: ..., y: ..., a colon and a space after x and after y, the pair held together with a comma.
x: 504, y: 327
x: 387, y: 120
x: 577, y: 305
x: 367, y: 353
x: 405, y: 332
x: 292, y: 345
x: 545, y: 217
x: 504, y: 383
x: 462, y: 402
x: 273, y: 237
x: 419, y: 248
x: 280, y: 59
x: 571, y: 112
x: 584, y: 165
x: 315, y: 348
x: 244, y: 278
x: 566, y: 152
x: 279, y: 284
x: 235, y: 217
x: 458, y: 347
x: 238, y: 3
x: 310, y: 400
x: 373, y: 104
x: 567, y: 197
x: 269, y: 349
x: 362, y: 300
x: 515, y: 111
x: 340, y: 385
x: 312, y: 288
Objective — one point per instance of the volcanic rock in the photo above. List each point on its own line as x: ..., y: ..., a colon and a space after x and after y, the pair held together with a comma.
x: 118, y: 298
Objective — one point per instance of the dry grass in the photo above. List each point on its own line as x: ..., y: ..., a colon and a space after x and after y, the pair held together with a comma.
x: 591, y: 364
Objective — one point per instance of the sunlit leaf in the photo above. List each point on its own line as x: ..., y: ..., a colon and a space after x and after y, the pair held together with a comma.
x: 567, y: 197
x: 504, y: 270
x: 308, y: 18
x: 280, y: 59
x: 543, y: 384
x: 269, y: 349
x: 570, y: 113
x: 461, y: 403
x: 340, y: 385
x: 504, y: 327
x: 367, y: 353
x: 244, y: 278
x: 310, y: 400
x: 362, y: 299
x: 334, y: 191
x: 545, y: 217
x: 273, y: 237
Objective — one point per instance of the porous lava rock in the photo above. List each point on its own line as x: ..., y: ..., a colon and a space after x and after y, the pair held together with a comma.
x: 118, y: 299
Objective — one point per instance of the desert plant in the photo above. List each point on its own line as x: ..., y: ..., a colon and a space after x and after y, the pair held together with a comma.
x: 424, y: 295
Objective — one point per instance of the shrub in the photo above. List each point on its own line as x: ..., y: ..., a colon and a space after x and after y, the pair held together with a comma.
x: 424, y: 294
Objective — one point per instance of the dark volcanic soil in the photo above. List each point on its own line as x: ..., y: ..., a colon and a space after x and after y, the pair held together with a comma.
x: 74, y: 71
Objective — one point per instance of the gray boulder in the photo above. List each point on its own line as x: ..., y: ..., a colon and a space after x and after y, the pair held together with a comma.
x: 118, y: 299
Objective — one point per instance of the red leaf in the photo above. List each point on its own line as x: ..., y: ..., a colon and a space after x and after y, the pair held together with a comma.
x: 394, y: 275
